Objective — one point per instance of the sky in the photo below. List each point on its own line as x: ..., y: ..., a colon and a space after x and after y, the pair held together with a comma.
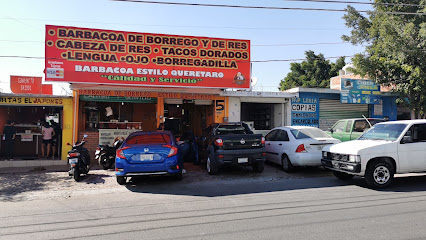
x: 274, y: 34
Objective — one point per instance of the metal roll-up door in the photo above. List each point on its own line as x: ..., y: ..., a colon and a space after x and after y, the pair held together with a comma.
x: 332, y: 110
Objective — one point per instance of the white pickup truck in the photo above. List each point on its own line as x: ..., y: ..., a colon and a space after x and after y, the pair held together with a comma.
x: 386, y: 149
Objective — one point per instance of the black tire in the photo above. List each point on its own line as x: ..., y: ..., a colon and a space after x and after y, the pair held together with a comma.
x: 103, y: 162
x: 342, y: 175
x: 211, y: 165
x: 178, y: 176
x: 286, y: 164
x: 121, y: 180
x: 259, y: 166
x: 379, y: 174
x: 76, y: 174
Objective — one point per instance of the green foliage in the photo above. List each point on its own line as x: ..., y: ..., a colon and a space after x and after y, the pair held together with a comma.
x: 314, y: 72
x: 395, y: 53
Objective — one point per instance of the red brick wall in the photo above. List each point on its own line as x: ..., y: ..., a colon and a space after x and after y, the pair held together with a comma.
x: 92, y: 142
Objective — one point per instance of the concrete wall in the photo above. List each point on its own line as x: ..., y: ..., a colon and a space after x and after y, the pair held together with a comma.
x: 234, y: 114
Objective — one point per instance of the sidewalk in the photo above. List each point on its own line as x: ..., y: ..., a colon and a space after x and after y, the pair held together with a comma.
x: 21, y: 165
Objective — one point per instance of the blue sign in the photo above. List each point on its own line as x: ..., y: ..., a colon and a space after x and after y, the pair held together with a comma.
x: 359, y: 91
x: 305, y: 111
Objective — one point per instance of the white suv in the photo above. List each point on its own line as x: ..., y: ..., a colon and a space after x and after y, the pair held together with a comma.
x: 386, y: 149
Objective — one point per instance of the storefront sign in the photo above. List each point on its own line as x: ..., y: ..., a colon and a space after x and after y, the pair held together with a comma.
x: 113, y: 93
x: 22, y: 84
x: 114, y: 57
x: 108, y: 136
x: 95, y: 98
x: 26, y: 138
x: 47, y: 89
x: 30, y: 101
x: 359, y: 91
x: 305, y: 111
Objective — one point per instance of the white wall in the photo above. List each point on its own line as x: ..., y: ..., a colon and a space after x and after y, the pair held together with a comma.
x: 234, y: 114
x: 279, y: 115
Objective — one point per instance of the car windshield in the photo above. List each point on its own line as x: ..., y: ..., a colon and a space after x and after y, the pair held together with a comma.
x: 309, y: 133
x: 156, y: 138
x: 388, y: 132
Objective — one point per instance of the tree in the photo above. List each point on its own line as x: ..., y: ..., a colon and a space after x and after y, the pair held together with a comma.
x: 395, y: 53
x: 315, y: 71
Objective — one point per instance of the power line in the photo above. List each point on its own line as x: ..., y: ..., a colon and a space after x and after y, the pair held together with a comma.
x: 253, y: 61
x: 354, y: 2
x: 182, y: 26
x: 252, y: 45
x: 261, y: 7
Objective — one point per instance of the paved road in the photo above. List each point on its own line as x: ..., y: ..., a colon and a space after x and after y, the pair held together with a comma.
x: 245, y: 207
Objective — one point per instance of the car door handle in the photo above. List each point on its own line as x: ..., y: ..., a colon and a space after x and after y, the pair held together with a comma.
x: 280, y: 144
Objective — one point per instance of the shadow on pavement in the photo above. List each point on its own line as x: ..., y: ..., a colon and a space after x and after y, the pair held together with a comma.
x: 16, y: 183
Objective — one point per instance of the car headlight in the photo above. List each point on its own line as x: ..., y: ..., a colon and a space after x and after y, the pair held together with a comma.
x: 324, y: 154
x: 354, y: 158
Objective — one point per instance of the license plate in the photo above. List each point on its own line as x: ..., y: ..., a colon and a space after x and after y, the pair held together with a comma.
x: 73, y: 160
x: 242, y: 160
x: 147, y: 157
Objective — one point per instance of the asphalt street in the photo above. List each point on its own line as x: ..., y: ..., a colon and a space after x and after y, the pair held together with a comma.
x: 237, y: 205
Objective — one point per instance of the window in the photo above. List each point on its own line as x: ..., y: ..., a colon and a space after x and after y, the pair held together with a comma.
x: 361, y: 125
x: 309, y: 133
x: 419, y: 133
x: 339, y: 126
x: 271, y: 136
x: 281, y: 136
x: 156, y: 138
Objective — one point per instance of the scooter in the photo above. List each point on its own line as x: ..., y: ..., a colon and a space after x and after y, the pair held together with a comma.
x: 78, y: 159
x: 105, y: 155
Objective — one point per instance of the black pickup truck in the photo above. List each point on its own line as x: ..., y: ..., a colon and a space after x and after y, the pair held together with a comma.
x: 232, y: 143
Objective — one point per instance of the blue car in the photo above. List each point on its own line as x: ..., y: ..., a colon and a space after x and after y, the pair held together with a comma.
x: 148, y: 153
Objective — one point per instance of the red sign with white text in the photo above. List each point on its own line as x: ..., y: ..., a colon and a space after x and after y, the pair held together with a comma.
x: 127, y: 58
x: 23, y: 84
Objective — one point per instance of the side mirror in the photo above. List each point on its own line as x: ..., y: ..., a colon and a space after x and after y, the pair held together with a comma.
x: 331, y: 130
x: 68, y: 144
x: 85, y: 135
x: 407, y: 139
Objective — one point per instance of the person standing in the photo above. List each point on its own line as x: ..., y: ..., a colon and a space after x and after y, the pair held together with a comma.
x: 56, y: 137
x: 48, y: 134
x: 9, y: 132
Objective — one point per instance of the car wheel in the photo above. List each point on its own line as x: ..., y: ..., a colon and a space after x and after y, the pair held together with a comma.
x: 286, y: 164
x: 379, y: 174
x: 212, y: 168
x: 121, y: 180
x: 259, y: 166
x: 342, y: 175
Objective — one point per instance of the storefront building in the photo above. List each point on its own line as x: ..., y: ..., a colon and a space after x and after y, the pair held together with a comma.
x: 262, y: 111
x: 318, y: 107
x: 28, y: 111
x: 105, y: 115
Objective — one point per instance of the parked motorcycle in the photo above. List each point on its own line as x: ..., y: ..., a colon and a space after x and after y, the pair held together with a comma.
x: 78, y: 159
x: 105, y: 155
